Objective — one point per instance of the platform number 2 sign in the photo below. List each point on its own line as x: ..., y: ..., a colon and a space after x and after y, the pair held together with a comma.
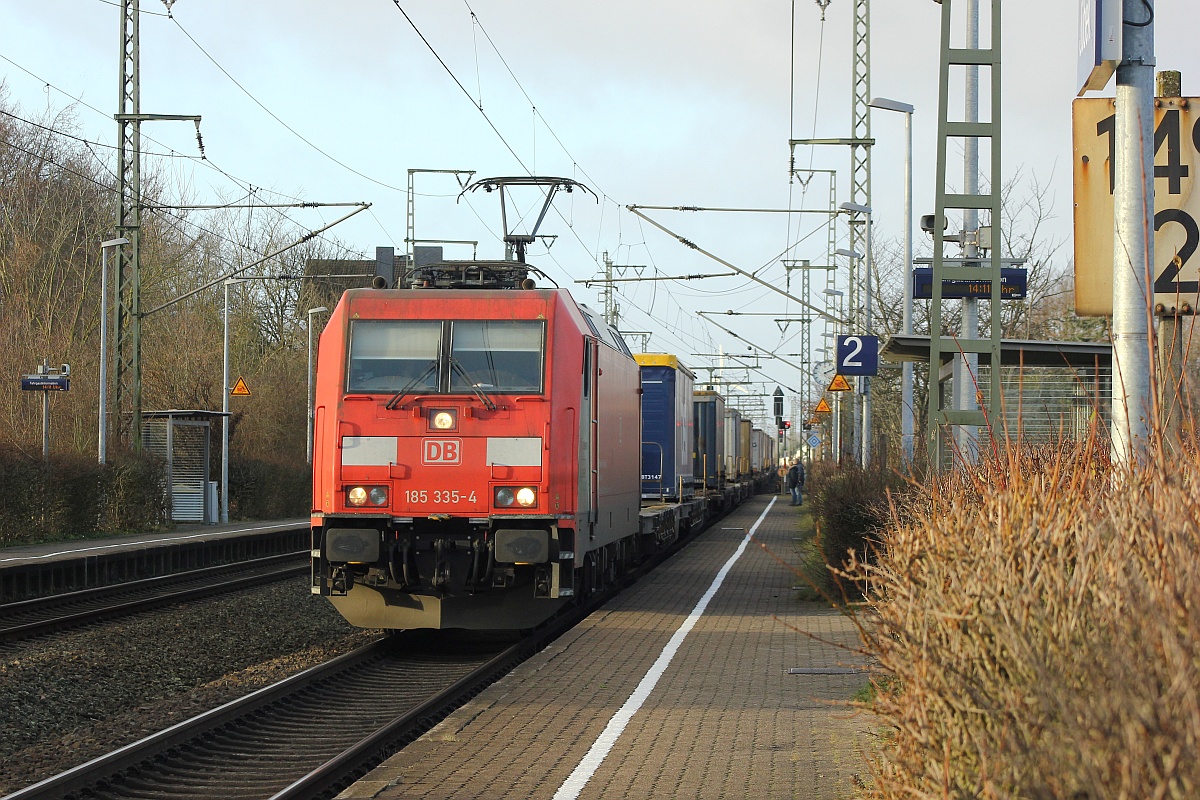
x: 1176, y: 210
x: 858, y: 355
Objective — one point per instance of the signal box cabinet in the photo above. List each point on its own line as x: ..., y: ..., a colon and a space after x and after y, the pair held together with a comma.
x: 667, y: 427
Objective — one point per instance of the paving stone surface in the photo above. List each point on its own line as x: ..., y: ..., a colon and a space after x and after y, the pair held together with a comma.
x: 726, y: 719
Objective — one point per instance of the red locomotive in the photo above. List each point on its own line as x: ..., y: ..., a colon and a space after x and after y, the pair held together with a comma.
x: 476, y: 451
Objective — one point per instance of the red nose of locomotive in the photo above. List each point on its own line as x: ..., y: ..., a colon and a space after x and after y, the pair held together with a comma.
x: 433, y: 474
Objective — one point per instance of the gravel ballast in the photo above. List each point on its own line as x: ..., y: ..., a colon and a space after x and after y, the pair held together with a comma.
x: 70, y: 697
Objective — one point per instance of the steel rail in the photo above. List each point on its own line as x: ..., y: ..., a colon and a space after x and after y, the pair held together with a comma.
x: 172, y: 762
x: 87, y: 775
x: 156, y: 593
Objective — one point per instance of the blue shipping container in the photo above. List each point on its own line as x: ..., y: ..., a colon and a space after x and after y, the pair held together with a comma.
x: 666, y: 428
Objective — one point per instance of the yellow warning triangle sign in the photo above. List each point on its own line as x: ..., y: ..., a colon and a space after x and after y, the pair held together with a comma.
x: 240, y: 389
x: 839, y: 384
x: 823, y: 407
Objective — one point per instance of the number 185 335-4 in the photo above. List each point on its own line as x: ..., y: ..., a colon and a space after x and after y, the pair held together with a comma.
x: 439, y: 496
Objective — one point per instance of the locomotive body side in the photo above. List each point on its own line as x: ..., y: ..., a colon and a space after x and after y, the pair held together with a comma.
x: 467, y: 455
x: 616, y: 415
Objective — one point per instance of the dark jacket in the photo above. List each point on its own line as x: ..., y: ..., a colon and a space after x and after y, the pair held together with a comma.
x: 795, y: 476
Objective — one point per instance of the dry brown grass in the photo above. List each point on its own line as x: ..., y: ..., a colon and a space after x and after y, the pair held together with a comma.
x: 1036, y: 627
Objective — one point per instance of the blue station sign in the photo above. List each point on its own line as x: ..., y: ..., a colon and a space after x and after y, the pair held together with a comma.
x: 46, y: 383
x: 858, y: 355
x: 1013, y: 285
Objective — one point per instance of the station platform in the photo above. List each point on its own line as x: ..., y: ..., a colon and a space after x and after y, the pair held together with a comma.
x: 28, y: 571
x: 706, y: 679
x: 57, y: 551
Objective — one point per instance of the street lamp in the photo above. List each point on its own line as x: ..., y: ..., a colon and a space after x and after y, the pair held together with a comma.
x: 103, y: 439
x: 311, y: 311
x: 856, y: 258
x: 906, y: 383
x: 225, y: 410
x: 836, y: 295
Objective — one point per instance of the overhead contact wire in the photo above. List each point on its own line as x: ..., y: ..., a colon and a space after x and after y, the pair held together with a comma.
x: 276, y: 117
x: 459, y: 84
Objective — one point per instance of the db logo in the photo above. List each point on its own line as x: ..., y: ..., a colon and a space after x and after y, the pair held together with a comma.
x: 441, y: 451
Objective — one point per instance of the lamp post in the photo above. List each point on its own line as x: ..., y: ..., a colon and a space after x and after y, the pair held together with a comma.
x: 225, y: 410
x: 837, y: 396
x: 856, y: 440
x: 311, y: 311
x: 103, y: 438
x: 865, y: 381
x: 906, y: 383
x: 824, y: 368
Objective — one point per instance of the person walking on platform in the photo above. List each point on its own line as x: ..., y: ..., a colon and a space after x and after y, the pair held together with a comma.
x: 795, y: 482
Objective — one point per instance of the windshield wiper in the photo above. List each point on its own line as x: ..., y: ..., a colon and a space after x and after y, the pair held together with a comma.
x: 479, y: 392
x: 400, y: 395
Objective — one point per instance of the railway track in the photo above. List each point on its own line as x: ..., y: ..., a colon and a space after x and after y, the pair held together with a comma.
x: 317, y: 732
x: 38, y: 617
x: 304, y: 737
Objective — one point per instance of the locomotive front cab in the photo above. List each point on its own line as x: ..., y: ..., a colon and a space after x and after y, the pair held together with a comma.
x: 435, y: 483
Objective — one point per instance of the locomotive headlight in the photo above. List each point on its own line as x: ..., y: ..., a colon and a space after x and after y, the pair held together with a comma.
x: 367, y: 495
x: 524, y: 496
x: 443, y: 421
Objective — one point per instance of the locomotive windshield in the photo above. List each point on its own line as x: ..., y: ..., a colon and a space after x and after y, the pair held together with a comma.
x: 497, y: 356
x: 390, y: 355
x: 429, y: 356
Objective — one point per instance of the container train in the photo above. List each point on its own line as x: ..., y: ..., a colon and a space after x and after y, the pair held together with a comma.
x: 476, y: 453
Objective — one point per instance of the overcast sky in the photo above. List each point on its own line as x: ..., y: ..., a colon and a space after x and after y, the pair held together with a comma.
x: 645, y: 102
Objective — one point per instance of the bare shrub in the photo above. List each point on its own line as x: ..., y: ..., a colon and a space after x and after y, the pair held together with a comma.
x: 1037, y: 631
x: 849, y: 507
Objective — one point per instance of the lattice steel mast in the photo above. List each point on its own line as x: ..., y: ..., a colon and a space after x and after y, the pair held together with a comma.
x: 127, y: 333
x: 943, y: 347
x: 860, y: 186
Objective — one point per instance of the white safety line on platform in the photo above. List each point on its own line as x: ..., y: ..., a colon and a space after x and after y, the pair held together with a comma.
x: 599, y: 750
x: 145, y: 541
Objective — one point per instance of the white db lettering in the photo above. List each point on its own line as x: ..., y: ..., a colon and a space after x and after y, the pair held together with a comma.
x: 442, y: 451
